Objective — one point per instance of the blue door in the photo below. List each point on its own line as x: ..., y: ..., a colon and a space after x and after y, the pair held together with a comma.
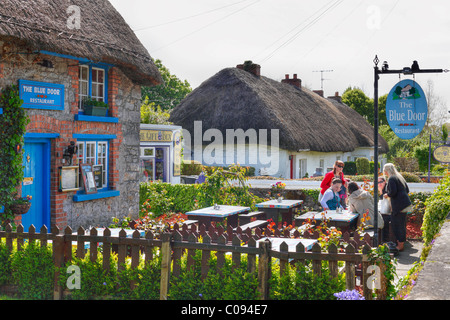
x: 36, y: 183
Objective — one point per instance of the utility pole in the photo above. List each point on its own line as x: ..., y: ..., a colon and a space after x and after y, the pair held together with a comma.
x: 321, y: 76
x: 385, y: 70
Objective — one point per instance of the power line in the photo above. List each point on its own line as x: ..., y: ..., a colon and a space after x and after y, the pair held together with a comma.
x: 206, y: 26
x: 309, y: 25
x: 189, y: 17
x: 293, y: 29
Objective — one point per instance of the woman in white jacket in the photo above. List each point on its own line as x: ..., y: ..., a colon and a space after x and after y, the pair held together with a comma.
x: 361, y: 201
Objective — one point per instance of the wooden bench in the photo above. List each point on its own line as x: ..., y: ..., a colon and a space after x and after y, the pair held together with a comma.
x: 247, y: 217
x: 252, y: 225
x: 189, y: 222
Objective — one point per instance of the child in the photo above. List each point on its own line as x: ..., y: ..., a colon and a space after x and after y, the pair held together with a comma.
x: 331, y: 199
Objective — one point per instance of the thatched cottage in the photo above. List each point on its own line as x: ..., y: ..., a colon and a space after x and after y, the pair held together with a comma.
x: 58, y: 53
x: 280, y: 128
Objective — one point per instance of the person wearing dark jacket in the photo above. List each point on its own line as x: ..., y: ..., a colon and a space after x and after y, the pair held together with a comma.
x: 397, y: 191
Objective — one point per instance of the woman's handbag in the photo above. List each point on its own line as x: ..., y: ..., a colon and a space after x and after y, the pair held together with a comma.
x: 408, y: 209
x: 385, y: 206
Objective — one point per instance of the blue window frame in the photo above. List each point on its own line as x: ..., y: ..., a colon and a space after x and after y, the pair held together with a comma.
x: 93, y: 82
x: 94, y: 149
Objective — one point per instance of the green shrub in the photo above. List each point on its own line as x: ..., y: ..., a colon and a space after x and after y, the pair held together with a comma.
x: 362, y: 166
x: 166, y: 197
x: 226, y: 284
x: 96, y: 282
x: 5, y: 265
x: 349, y: 168
x: 300, y: 283
x: 437, y: 209
x: 33, y: 271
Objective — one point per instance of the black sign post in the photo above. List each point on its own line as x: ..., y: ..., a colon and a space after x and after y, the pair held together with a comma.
x: 385, y: 70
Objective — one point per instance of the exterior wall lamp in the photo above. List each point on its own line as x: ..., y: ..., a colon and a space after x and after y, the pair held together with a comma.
x: 69, y: 152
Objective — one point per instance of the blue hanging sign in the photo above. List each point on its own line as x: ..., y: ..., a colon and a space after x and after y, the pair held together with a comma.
x: 406, y: 109
x: 41, y: 95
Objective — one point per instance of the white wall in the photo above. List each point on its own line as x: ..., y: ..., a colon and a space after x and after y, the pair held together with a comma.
x: 273, y: 161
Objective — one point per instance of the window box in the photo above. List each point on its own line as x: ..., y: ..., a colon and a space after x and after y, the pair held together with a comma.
x: 95, y: 111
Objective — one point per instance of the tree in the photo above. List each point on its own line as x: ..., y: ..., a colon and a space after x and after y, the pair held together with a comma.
x: 356, y: 99
x: 153, y: 114
x: 169, y: 94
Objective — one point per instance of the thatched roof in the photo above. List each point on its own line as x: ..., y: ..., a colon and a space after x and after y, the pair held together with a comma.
x: 234, y: 98
x: 103, y: 36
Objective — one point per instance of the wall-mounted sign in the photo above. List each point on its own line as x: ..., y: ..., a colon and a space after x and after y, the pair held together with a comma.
x: 156, y: 136
x: 41, y: 95
x: 442, y: 154
x: 406, y: 109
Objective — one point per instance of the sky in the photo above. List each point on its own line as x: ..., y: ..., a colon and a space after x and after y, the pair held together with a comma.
x: 195, y: 39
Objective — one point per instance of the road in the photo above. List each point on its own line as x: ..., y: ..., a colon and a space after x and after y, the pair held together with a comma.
x: 299, y: 184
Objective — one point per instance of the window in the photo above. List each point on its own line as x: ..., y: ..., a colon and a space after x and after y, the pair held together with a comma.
x: 95, y: 153
x: 92, y: 82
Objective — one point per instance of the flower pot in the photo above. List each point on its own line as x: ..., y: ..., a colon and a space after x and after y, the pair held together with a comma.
x: 95, y: 111
x: 21, y: 208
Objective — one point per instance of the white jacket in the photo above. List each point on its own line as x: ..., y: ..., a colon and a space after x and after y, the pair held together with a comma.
x: 359, y: 202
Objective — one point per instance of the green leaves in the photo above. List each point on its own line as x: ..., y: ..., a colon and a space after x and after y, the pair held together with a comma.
x: 13, y: 124
x: 437, y: 209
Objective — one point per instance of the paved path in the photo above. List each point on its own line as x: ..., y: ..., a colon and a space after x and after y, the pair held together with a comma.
x: 434, y: 279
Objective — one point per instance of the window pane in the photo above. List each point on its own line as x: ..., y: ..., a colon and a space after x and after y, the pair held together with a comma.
x: 94, y: 90
x: 94, y: 75
x: 100, y: 75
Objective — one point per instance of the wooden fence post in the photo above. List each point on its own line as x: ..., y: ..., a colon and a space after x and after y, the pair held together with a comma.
x: 264, y: 269
x: 58, y: 260
x: 166, y: 258
x: 367, y: 292
x: 350, y: 269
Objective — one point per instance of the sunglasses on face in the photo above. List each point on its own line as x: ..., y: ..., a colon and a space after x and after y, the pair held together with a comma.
x: 340, y: 166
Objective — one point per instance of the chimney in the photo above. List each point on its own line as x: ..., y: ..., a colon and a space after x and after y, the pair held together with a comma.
x: 251, y: 67
x: 319, y: 92
x: 336, y: 97
x: 294, y: 81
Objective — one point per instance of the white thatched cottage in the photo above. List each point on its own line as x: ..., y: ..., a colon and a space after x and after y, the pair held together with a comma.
x: 280, y: 128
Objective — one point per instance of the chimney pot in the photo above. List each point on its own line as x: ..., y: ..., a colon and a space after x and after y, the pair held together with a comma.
x: 295, y: 81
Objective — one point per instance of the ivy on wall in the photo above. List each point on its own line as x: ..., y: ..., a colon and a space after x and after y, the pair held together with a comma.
x: 13, y: 124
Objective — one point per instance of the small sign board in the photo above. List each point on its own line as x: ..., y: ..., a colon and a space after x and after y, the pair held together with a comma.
x: 87, y: 175
x: 406, y: 109
x: 98, y: 175
x: 41, y: 95
x: 68, y: 179
x: 442, y: 154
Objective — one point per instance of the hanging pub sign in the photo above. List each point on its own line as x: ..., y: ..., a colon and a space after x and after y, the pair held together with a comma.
x: 406, y: 109
x: 442, y: 154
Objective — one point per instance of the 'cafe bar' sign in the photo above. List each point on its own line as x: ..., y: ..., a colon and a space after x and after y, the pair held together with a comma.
x: 406, y: 109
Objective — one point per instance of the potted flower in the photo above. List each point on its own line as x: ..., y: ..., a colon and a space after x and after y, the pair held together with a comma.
x: 21, y: 205
x: 93, y: 107
x: 276, y: 190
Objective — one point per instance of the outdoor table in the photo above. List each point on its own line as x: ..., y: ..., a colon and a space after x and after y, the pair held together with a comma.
x: 292, y: 243
x: 345, y: 220
x: 273, y: 209
x: 209, y: 214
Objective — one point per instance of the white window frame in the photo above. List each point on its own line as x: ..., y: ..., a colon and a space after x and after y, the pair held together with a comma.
x: 97, y: 158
